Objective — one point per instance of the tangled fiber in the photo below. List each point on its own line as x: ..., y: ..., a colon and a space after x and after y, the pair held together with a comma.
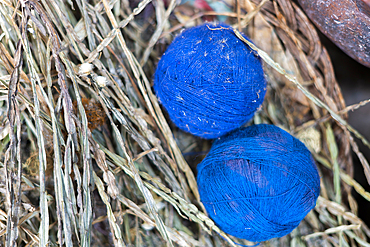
x: 209, y: 81
x: 258, y: 182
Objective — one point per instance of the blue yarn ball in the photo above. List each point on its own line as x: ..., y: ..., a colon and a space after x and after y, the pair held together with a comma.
x: 258, y: 182
x: 209, y: 81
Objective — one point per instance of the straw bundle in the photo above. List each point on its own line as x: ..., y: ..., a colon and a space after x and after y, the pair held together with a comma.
x: 87, y: 156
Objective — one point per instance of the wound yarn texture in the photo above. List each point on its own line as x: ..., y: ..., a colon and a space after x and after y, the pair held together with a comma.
x: 209, y: 81
x: 258, y: 182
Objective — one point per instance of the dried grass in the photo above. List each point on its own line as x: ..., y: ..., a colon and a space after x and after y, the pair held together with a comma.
x: 127, y: 178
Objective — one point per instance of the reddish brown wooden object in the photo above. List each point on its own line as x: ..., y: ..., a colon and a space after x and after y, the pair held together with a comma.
x: 345, y: 22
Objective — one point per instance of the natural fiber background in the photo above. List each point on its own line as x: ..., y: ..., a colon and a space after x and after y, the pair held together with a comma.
x: 90, y: 159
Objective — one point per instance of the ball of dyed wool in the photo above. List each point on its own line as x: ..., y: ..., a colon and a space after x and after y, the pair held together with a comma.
x: 209, y: 81
x: 258, y: 182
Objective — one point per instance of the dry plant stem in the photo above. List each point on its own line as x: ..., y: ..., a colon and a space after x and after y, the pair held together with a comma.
x: 248, y: 17
x: 238, y: 15
x: 145, y: 191
x: 62, y: 208
x: 325, y: 118
x: 117, y: 237
x: 346, y: 178
x: 35, y: 82
x: 12, y: 162
x: 124, y: 98
x: 364, y: 162
x: 333, y: 230
x: 58, y: 160
x: 354, y: 106
x: 339, y: 210
x: 71, y: 34
x: 333, y: 149
x: 184, y: 208
x: 156, y: 112
x: 67, y: 102
x: 135, y: 210
x: 140, y: 139
x: 86, y: 210
x: 87, y: 21
x: 153, y: 40
x: 112, y: 34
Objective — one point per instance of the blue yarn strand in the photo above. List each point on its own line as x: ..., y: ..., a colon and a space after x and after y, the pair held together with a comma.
x: 258, y: 182
x: 209, y: 81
